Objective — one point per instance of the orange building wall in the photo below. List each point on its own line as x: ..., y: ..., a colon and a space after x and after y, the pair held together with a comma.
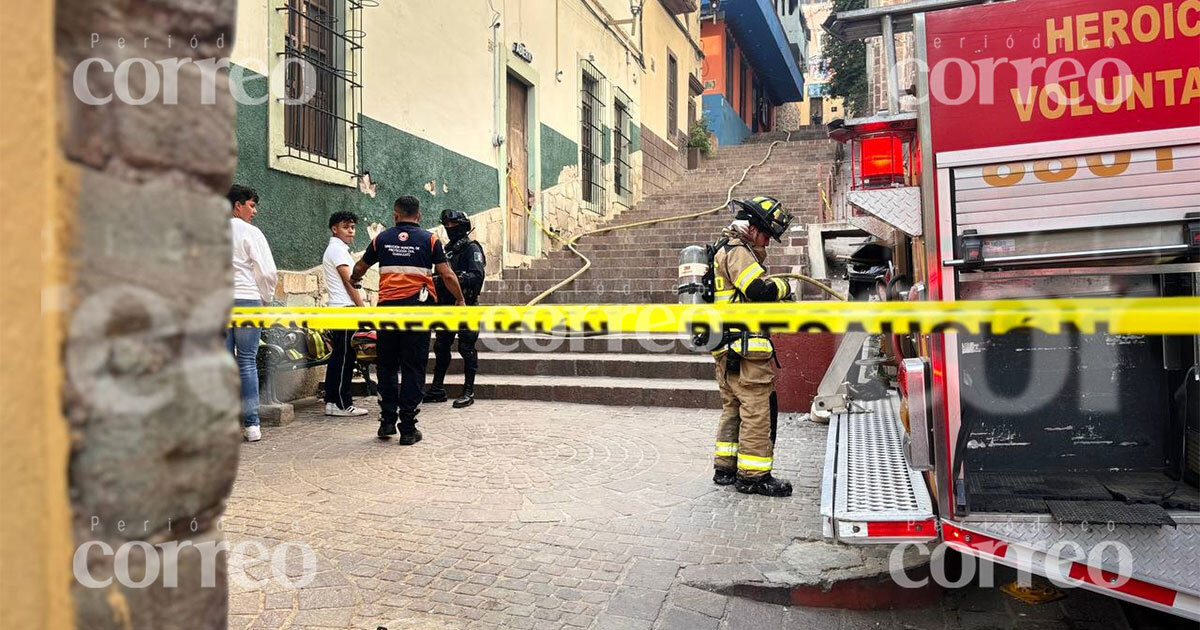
x: 713, y: 41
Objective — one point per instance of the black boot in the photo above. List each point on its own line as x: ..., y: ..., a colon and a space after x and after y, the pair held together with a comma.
x: 468, y: 394
x: 410, y: 438
x: 723, y: 477
x: 765, y: 485
x: 435, y: 393
x: 467, y: 399
x: 386, y: 429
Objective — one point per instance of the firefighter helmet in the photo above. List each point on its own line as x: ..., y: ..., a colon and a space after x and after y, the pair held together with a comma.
x: 764, y: 213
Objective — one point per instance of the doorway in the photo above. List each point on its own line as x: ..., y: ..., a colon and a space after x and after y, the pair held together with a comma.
x: 517, y: 141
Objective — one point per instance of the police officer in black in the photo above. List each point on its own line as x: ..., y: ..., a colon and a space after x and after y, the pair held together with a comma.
x: 467, y: 259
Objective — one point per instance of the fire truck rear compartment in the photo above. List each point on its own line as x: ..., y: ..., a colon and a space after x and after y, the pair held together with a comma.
x: 1077, y: 426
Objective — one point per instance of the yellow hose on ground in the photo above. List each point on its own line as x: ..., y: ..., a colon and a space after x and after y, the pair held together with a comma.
x: 587, y: 263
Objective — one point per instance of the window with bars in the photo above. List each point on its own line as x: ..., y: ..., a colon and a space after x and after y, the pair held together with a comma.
x: 321, y: 88
x: 590, y: 142
x: 672, y: 96
x: 621, y: 135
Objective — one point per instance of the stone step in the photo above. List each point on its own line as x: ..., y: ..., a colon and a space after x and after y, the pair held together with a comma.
x: 647, y: 366
x: 571, y: 295
x: 663, y: 270
x: 595, y: 390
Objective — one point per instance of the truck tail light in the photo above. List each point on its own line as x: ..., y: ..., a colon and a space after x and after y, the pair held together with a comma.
x: 918, y: 447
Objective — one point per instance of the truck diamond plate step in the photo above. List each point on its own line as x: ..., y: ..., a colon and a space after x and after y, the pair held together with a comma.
x: 871, y: 494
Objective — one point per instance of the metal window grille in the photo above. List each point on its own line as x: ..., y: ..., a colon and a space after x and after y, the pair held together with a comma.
x: 621, y: 133
x: 672, y: 95
x: 322, y: 51
x: 590, y: 141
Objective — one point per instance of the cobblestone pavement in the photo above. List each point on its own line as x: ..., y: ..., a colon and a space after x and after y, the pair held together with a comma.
x: 517, y: 514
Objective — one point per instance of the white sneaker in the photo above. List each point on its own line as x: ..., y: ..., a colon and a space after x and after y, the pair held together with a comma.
x: 333, y: 410
x: 252, y: 434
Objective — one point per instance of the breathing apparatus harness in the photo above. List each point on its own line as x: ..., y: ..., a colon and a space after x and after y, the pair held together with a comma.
x: 697, y: 271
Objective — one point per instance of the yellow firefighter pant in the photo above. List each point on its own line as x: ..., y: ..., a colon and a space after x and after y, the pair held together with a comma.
x: 744, y: 439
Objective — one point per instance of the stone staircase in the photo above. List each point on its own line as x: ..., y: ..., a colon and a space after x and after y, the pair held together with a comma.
x: 639, y: 265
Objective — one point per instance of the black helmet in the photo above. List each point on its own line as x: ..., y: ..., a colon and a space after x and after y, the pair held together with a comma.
x: 764, y: 213
x: 464, y: 223
x: 453, y: 215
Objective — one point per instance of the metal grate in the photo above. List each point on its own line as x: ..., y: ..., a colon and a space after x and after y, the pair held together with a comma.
x: 621, y: 148
x: 322, y: 93
x: 591, y: 141
x: 874, y: 481
x: 1114, y: 512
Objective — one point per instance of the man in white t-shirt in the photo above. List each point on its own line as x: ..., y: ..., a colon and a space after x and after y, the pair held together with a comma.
x: 254, y: 279
x: 337, y: 265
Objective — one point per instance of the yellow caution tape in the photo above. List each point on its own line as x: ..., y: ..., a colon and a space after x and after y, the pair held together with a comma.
x: 1142, y: 316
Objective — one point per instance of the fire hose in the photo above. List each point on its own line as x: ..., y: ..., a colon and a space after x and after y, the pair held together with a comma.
x: 587, y: 263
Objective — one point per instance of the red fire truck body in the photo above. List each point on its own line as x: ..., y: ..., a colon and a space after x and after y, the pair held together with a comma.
x: 1057, y: 154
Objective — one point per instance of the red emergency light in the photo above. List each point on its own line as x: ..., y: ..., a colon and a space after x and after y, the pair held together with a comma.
x: 881, y: 160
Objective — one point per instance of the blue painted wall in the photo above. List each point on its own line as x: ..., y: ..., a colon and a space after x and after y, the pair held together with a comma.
x: 726, y: 125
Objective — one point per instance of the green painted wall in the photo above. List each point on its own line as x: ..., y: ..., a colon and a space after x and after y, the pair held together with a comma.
x: 294, y: 210
x: 558, y: 151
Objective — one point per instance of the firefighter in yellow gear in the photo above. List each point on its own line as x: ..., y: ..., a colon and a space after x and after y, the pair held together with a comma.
x: 746, y: 432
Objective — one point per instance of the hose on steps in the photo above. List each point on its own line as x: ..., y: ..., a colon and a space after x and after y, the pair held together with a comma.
x: 587, y: 263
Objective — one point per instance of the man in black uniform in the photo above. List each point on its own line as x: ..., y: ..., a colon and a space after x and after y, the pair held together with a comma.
x: 467, y: 260
x: 407, y: 257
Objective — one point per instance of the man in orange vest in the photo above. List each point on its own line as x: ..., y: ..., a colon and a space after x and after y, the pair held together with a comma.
x: 407, y: 256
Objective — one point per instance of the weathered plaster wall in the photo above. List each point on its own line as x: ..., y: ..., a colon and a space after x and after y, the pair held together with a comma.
x: 150, y: 391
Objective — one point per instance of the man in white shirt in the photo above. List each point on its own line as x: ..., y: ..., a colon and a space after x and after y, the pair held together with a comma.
x: 254, y: 278
x: 337, y: 265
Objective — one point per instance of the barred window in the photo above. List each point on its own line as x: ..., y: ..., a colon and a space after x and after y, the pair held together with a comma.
x: 621, y: 135
x: 321, y: 87
x: 590, y: 142
x: 672, y: 96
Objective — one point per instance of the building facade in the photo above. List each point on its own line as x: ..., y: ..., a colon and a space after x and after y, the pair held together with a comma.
x: 818, y: 108
x: 522, y: 113
x: 750, y: 67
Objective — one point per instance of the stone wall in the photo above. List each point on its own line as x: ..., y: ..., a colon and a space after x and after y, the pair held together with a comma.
x: 150, y: 392
x: 662, y: 164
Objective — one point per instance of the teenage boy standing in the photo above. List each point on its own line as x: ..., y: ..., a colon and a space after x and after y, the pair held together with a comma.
x: 337, y: 265
x: 254, y: 278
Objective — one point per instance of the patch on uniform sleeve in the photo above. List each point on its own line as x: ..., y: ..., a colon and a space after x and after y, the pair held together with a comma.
x: 478, y: 256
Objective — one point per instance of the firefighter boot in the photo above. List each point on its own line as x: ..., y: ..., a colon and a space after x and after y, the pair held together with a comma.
x: 765, y: 485
x: 723, y: 477
x: 435, y: 393
x: 408, y: 438
x: 387, y: 428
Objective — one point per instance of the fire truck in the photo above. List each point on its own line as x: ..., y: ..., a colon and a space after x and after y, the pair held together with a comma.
x: 1050, y: 148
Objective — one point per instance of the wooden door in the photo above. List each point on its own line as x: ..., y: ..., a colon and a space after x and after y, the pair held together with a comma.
x: 518, y: 166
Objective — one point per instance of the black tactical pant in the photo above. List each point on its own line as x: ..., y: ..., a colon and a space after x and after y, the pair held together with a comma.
x: 401, y: 357
x: 466, y: 349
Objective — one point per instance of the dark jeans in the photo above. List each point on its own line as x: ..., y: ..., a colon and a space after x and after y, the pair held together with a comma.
x: 243, y: 344
x: 402, y: 356
x: 466, y: 349
x: 340, y: 370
